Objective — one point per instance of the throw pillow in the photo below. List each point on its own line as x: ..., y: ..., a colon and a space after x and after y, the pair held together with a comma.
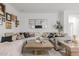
x: 22, y: 36
x: 8, y: 38
x: 18, y: 37
x: 14, y: 37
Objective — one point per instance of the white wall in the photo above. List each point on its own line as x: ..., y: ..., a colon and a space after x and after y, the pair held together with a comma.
x: 51, y: 20
x: 66, y: 23
x: 10, y: 10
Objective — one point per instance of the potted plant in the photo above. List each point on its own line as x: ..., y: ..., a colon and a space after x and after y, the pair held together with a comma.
x: 59, y: 27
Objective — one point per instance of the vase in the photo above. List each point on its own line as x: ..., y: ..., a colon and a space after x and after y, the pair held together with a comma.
x: 74, y: 39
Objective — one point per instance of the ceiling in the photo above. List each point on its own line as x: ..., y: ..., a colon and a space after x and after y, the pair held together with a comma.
x: 44, y: 7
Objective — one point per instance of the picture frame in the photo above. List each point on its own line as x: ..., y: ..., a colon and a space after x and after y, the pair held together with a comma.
x: 2, y: 9
x: 1, y: 22
x: 14, y: 18
x: 8, y: 25
x: 8, y: 17
x: 16, y: 23
x: 3, y: 19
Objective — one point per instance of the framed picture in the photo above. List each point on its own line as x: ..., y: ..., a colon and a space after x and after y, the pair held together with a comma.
x: 8, y: 25
x: 2, y: 9
x: 8, y: 17
x: 16, y: 23
x: 1, y: 22
x: 14, y: 18
x: 3, y: 19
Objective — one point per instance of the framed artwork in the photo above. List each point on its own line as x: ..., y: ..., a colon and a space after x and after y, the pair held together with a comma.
x: 8, y: 17
x: 1, y: 22
x: 8, y: 25
x: 2, y: 9
x: 3, y: 19
x: 14, y: 18
x: 16, y: 23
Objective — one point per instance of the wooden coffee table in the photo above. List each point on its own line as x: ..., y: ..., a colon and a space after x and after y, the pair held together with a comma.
x: 35, y: 46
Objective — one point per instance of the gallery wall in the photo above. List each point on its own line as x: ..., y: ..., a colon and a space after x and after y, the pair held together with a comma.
x: 51, y: 21
x: 10, y: 10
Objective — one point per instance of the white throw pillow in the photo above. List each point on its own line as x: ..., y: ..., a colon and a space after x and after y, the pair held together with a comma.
x: 14, y: 37
x: 18, y: 37
x: 22, y: 36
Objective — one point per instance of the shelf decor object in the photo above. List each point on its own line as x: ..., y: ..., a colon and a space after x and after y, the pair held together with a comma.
x: 2, y: 9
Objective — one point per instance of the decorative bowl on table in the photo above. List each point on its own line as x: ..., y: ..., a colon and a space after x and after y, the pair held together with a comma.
x: 38, y: 40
